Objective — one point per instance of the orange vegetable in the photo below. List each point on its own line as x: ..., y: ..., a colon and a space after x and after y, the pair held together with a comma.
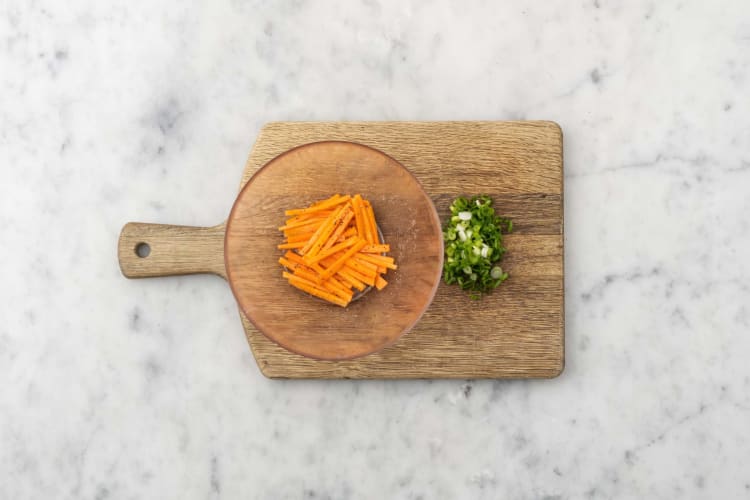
x: 323, y: 231
x: 330, y: 271
x: 372, y: 228
x: 299, y: 237
x: 313, y: 289
x: 378, y: 260
x: 346, y: 276
x: 331, y: 202
x: 331, y: 228
x: 380, y: 283
x: 334, y: 286
x: 377, y: 248
x: 347, y: 217
x: 359, y: 216
x: 367, y: 279
x: 333, y: 248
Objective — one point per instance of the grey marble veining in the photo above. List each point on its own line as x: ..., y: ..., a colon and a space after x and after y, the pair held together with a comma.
x: 117, y: 111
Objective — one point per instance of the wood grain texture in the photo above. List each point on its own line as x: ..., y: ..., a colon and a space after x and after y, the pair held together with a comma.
x: 517, y: 331
x: 174, y: 250
x: 304, y: 324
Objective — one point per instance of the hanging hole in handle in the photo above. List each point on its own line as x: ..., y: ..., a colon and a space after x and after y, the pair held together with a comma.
x: 142, y: 250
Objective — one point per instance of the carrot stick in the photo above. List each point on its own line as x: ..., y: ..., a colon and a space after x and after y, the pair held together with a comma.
x: 299, y: 237
x: 372, y: 226
x: 378, y: 260
x: 338, y: 248
x: 362, y: 267
x: 366, y: 226
x: 347, y: 277
x: 305, y: 272
x: 312, y: 289
x: 350, y: 275
x: 337, y: 226
x: 333, y: 250
x: 365, y: 263
x: 340, y: 229
x: 298, y: 259
x: 317, y: 208
x: 358, y: 215
x: 296, y: 236
x: 341, y: 286
x: 327, y: 273
x: 332, y: 198
x: 354, y: 273
x: 292, y: 266
x: 333, y: 286
x: 314, y: 213
x: 375, y: 258
x: 382, y: 248
x: 350, y: 231
x: 294, y: 257
x: 380, y: 283
x: 301, y: 223
x: 323, y: 231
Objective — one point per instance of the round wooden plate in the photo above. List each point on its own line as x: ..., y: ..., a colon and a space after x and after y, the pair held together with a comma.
x: 297, y: 321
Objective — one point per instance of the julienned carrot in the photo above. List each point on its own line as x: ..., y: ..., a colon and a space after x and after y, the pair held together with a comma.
x: 380, y: 283
x: 347, y: 276
x: 333, y: 285
x: 343, y: 216
x: 375, y: 258
x: 333, y: 247
x: 362, y: 267
x: 383, y: 248
x: 298, y: 259
x: 312, y: 289
x: 358, y: 216
x: 323, y: 229
x: 340, y: 285
x: 347, y: 217
x: 358, y: 258
x: 317, y: 208
x: 333, y: 197
x: 366, y: 279
x: 308, y: 227
x: 372, y: 228
x: 357, y: 279
x: 342, y: 260
x: 333, y: 250
x: 308, y: 221
x: 366, y: 231
x: 299, y: 237
x: 378, y: 260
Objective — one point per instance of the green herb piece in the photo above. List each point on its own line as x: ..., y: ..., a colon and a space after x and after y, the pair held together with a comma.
x: 473, y: 238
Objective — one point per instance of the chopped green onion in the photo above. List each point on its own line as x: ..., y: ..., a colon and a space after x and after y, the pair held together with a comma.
x: 474, y: 244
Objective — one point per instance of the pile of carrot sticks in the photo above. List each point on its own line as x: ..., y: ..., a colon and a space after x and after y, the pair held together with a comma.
x: 333, y: 248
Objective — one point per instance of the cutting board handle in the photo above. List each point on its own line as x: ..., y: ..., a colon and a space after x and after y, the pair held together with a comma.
x: 152, y: 250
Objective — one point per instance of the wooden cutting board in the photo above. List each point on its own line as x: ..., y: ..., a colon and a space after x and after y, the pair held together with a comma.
x: 518, y: 330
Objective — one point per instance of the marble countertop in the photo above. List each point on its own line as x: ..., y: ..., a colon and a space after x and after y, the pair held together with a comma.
x: 116, y: 111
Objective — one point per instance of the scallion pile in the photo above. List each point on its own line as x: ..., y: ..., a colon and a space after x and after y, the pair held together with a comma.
x: 474, y: 245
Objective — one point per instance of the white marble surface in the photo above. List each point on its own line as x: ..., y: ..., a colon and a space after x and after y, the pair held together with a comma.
x: 117, y: 111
